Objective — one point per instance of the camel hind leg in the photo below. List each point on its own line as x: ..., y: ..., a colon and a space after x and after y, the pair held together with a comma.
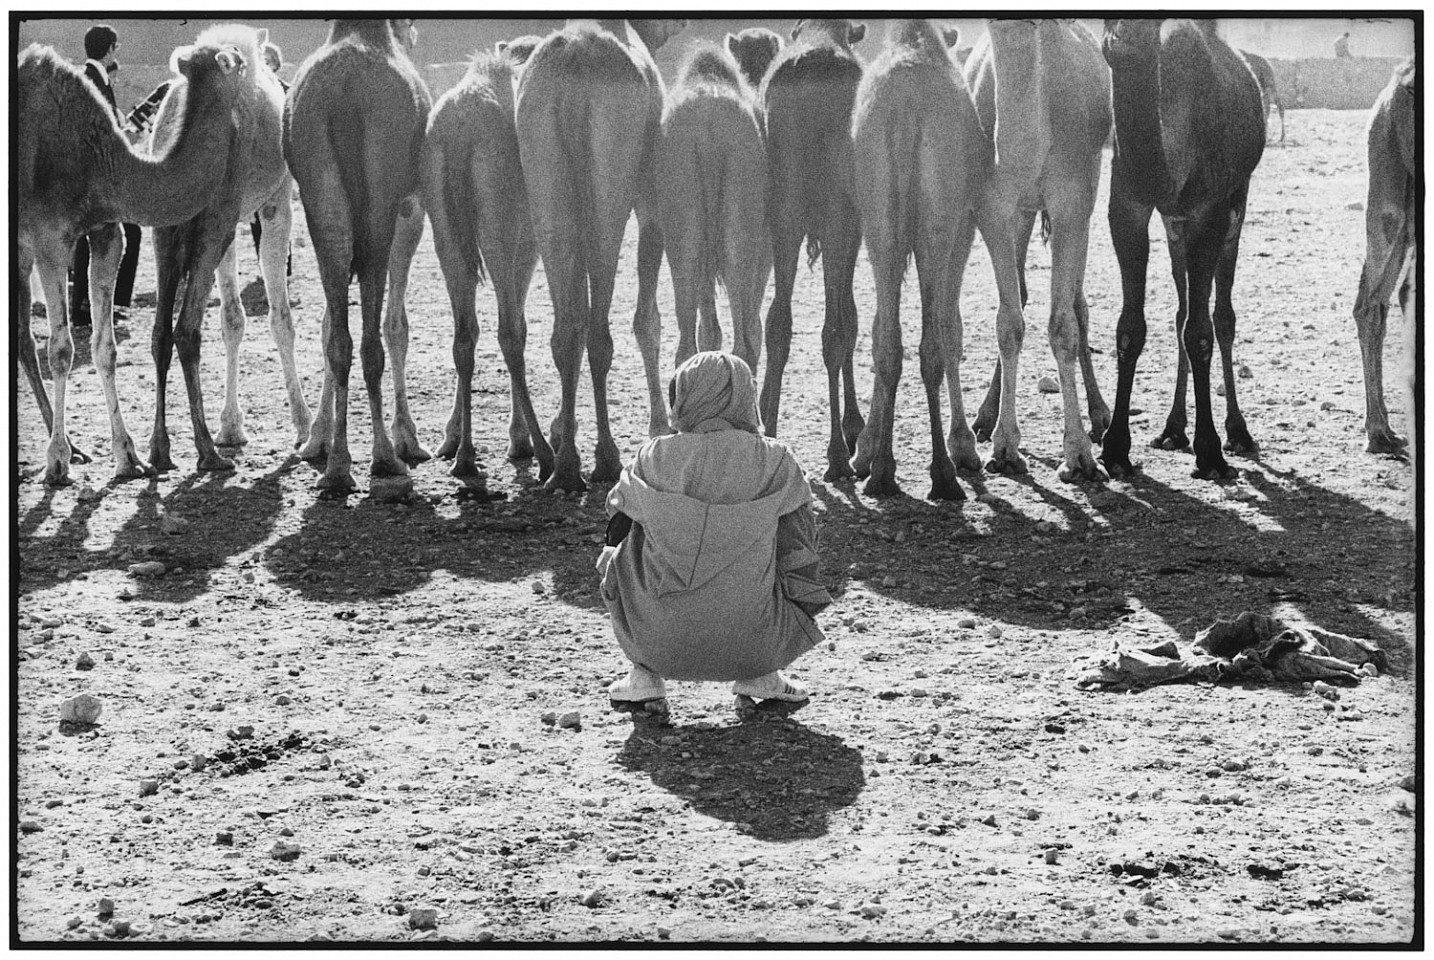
x: 996, y: 230
x: 53, y: 260
x: 28, y: 356
x: 278, y: 217
x: 646, y: 321
x: 231, y: 312
x: 211, y: 238
x: 1130, y: 235
x: 1237, y: 433
x: 1068, y: 256
x: 1174, y: 436
x: 1386, y: 248
x: 960, y: 439
x: 841, y: 242
x: 1025, y: 225
x: 525, y: 435
x: 786, y: 252
x: 408, y: 233
x: 1205, y: 241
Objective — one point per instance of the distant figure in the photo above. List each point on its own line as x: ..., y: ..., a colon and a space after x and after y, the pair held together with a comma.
x: 101, y: 42
x: 273, y: 59
x: 1341, y: 46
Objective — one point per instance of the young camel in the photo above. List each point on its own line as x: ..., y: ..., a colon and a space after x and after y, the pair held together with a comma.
x: 192, y: 255
x: 712, y: 198
x: 354, y: 126
x: 922, y: 163
x: 1391, y: 253
x: 1269, y: 90
x: 589, y: 113
x: 1188, y: 135
x: 808, y: 93
x: 474, y: 191
x: 77, y: 174
x: 1043, y: 95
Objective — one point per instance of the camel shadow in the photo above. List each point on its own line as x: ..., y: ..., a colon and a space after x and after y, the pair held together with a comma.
x: 1274, y: 544
x: 776, y: 780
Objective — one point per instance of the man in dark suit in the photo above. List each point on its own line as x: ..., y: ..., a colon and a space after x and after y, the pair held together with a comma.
x: 101, y: 42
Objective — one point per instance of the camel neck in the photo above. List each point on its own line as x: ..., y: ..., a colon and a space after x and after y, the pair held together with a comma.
x: 174, y: 187
x: 1139, y: 151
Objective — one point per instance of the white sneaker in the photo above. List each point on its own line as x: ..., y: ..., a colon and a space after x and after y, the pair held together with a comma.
x: 639, y: 686
x: 773, y: 686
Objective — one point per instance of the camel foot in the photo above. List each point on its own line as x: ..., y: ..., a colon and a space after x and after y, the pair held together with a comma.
x: 469, y: 473
x: 520, y: 449
x: 571, y: 482
x: 159, y: 457
x: 1119, y: 466
x: 232, y: 435
x: 335, y: 484
x: 407, y: 448
x: 967, y: 460
x: 881, y: 487
x: 1011, y: 464
x: 1385, y: 442
x: 78, y: 456
x: 839, y: 470
x: 128, y: 465
x: 315, y: 450
x: 983, y: 427
x: 448, y: 449
x: 944, y: 486
x: 214, y: 463
x: 1099, y: 424
x: 608, y: 465
x: 1084, y: 467
x: 1220, y: 471
x: 1172, y: 438
x: 387, y: 467
x: 57, y: 475
x: 1238, y: 441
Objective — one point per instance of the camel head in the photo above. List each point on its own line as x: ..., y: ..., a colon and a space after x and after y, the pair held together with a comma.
x: 194, y: 62
x: 655, y: 33
x: 1131, y: 43
x: 519, y: 49
x: 842, y: 33
x: 754, y: 49
x: 952, y: 36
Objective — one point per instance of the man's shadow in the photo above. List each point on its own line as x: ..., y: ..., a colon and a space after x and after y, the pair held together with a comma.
x: 776, y: 779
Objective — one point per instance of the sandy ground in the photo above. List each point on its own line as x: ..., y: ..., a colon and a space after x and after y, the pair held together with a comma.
x: 369, y: 681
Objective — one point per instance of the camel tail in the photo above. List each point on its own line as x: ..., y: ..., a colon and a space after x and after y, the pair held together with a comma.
x: 461, y: 200
x: 346, y: 137
x: 709, y: 164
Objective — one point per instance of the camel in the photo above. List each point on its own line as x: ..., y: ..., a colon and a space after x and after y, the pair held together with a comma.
x: 1269, y: 90
x: 474, y: 191
x: 1391, y: 253
x: 354, y: 126
x: 1043, y: 95
x: 589, y: 113
x: 808, y: 93
x: 194, y: 254
x: 922, y: 164
x: 711, y: 179
x: 1188, y: 136
x: 77, y: 174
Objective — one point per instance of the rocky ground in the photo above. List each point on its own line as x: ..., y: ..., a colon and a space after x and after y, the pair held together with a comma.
x: 386, y: 721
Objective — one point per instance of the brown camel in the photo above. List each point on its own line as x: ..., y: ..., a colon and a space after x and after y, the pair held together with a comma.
x: 77, y: 174
x: 922, y: 163
x: 353, y: 136
x: 1391, y: 253
x: 712, y: 201
x: 192, y: 255
x: 1269, y: 90
x: 808, y: 93
x: 1188, y: 136
x: 754, y: 49
x: 475, y: 195
x: 589, y: 113
x: 1043, y: 94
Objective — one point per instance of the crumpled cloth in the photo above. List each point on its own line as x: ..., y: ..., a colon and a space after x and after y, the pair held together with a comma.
x: 1250, y: 647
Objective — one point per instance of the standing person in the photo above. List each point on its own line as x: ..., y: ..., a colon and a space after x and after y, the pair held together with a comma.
x: 711, y: 572
x: 101, y: 42
x: 1341, y: 46
x: 273, y: 59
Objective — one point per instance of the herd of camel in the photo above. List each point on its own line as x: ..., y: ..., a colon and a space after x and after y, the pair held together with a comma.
x: 548, y: 146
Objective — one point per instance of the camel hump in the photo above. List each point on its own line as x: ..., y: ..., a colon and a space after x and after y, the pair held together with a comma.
x: 709, y: 63
x: 587, y: 53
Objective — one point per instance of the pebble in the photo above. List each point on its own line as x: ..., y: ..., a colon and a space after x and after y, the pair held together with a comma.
x: 888, y: 581
x: 82, y: 709
x: 592, y: 898
x: 1325, y: 690
x: 73, y: 922
x: 199, y: 761
x: 149, y: 568
x: 173, y: 526
x: 1053, y: 857
x: 1407, y: 782
x: 284, y: 850
x: 282, y: 701
x: 1369, y: 670
x: 1067, y: 905
x: 966, y: 623
x: 117, y: 928
x: 832, y: 905
x: 664, y: 933
x: 1228, y: 933
x: 539, y: 587
x: 30, y: 826
x: 105, y: 907
x: 148, y: 788
x: 871, y: 911
x: 994, y: 632
x: 549, y: 719
x: 1148, y: 900
x: 572, y: 720
x: 989, y: 820
x: 423, y: 918
x: 1048, y: 384
x: 1234, y: 766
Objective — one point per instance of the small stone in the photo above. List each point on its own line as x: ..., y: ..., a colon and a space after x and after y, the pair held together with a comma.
x: 282, y: 701
x: 118, y: 928
x: 73, y: 922
x: 199, y: 761
x: 966, y: 623
x: 832, y: 905
x: 224, y: 838
x: 423, y: 918
x: 1131, y: 916
x: 1234, y: 766
x: 1354, y: 205
x: 871, y: 911
x: 664, y: 933
x: 888, y: 581
x: 549, y: 719
x: 149, y: 568
x: 147, y: 622
x: 994, y: 632
x: 105, y: 907
x: 539, y: 587
x: 1067, y: 905
x: 173, y: 526
x: 1227, y: 933
x: 1325, y: 690
x: 285, y: 851
x: 1369, y: 670
x: 1244, y: 372
x: 989, y: 820
x: 572, y: 720
x: 1407, y: 782
x: 1148, y: 900
x: 1048, y: 384
x: 592, y: 898
x: 30, y: 826
x: 1213, y: 772
x: 484, y: 936
x: 148, y: 788
x: 81, y: 710
x: 245, y: 732
x: 1053, y: 857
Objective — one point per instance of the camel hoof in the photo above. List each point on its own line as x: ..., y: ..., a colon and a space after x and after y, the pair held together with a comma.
x: 1009, y: 465
x: 315, y: 451
x: 1171, y: 440
x: 1219, y: 472
x: 448, y: 449
x: 214, y: 463
x: 839, y: 471
x: 520, y: 450
x: 78, y: 456
x: 161, y: 461
x: 983, y: 428
x: 1386, y: 442
x: 411, y: 451
x: 469, y: 473
x: 946, y: 489
x: 875, y: 487
x: 231, y: 436
x: 388, y: 467
x: 1083, y: 469
x: 134, y: 470
x: 335, y: 485
x: 571, y: 484
x: 1119, y: 468
x: 1242, y: 446
x: 58, y: 475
